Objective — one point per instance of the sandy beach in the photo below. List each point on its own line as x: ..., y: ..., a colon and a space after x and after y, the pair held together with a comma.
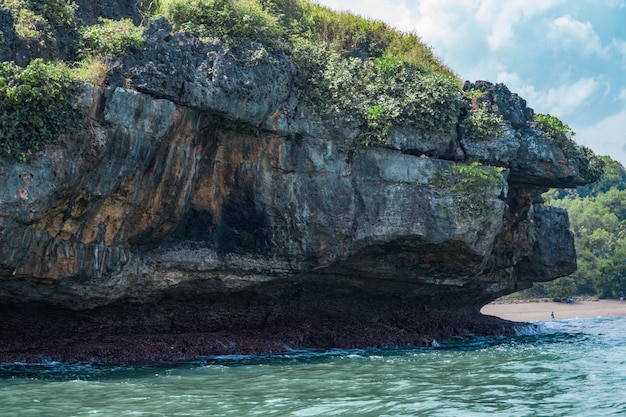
x: 542, y: 310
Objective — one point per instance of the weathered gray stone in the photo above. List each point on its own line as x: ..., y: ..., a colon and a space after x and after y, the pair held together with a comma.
x: 173, y: 195
x: 201, y: 187
x: 500, y: 151
x: 533, y: 158
x: 246, y: 85
x: 499, y: 99
x: 435, y: 145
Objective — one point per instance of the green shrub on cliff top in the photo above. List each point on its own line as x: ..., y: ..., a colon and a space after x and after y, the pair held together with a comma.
x: 280, y: 23
x: 33, y: 20
x: 481, y: 124
x: 590, y: 165
x: 35, y: 107
x: 110, y: 37
x: 232, y: 21
x: 376, y: 95
x: 348, y: 34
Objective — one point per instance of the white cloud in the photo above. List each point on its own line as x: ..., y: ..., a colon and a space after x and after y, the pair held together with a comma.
x: 394, y: 13
x: 561, y: 101
x: 617, y: 4
x: 567, y: 33
x: 524, y: 89
x: 619, y: 46
x: 566, y: 99
x: 607, y: 137
x: 504, y: 15
x: 443, y: 22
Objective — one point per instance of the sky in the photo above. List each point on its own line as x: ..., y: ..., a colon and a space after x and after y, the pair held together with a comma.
x: 565, y: 57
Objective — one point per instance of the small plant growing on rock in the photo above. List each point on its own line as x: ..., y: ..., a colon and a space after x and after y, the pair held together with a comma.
x: 93, y: 70
x: 29, y: 26
x: 113, y: 37
x: 147, y: 9
x: 474, y: 93
x: 554, y: 127
x: 472, y: 187
x: 481, y: 124
x: 56, y: 12
x: 108, y: 37
x: 590, y: 165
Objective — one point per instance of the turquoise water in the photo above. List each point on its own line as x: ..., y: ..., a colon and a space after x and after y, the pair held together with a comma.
x: 570, y: 367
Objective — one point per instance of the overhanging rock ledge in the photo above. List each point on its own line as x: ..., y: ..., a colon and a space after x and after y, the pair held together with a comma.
x: 206, y: 215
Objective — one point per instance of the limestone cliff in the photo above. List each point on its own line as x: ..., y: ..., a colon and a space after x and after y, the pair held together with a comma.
x: 203, y: 197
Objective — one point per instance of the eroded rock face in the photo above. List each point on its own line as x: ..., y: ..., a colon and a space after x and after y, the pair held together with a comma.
x: 194, y: 201
x: 175, y: 196
x: 157, y: 194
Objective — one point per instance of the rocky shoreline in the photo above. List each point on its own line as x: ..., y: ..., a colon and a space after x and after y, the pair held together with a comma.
x: 66, y: 336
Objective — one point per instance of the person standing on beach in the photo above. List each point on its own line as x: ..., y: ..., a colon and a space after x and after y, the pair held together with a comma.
x: 552, y: 315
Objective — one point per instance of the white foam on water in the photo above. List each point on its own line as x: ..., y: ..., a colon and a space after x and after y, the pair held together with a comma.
x: 530, y: 329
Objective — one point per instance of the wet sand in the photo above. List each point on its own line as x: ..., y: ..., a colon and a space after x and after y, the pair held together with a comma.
x: 541, y: 311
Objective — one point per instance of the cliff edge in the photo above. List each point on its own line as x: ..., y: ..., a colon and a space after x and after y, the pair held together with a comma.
x: 205, y: 208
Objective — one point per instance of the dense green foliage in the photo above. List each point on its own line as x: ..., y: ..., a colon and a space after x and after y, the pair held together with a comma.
x: 110, y: 37
x: 36, y: 101
x: 232, y: 21
x: 34, y: 19
x: 376, y: 95
x: 55, y: 12
x: 35, y: 107
x: 481, y: 124
x: 598, y: 219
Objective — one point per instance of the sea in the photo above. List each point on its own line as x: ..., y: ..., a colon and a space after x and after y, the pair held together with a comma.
x: 556, y: 368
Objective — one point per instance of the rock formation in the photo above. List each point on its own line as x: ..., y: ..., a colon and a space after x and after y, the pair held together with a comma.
x: 202, y: 199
